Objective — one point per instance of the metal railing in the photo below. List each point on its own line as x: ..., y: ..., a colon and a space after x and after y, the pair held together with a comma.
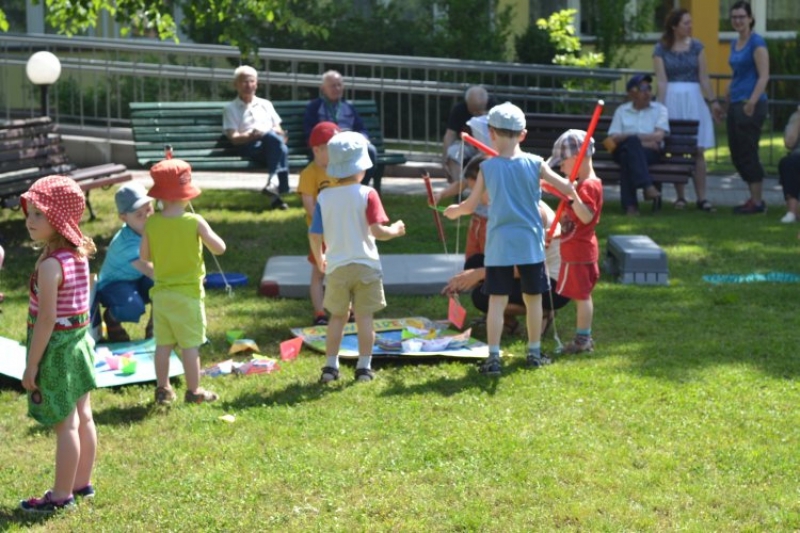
x: 100, y: 77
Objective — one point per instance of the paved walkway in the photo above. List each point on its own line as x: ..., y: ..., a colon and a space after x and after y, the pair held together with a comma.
x: 722, y: 190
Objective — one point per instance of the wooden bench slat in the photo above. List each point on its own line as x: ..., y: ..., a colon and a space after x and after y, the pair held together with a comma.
x: 31, y: 149
x: 676, y: 164
x: 194, y: 130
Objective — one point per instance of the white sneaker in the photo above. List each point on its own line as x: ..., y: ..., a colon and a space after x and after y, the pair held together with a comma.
x: 789, y: 218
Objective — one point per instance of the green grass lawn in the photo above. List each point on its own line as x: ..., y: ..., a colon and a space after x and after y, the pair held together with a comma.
x: 684, y: 418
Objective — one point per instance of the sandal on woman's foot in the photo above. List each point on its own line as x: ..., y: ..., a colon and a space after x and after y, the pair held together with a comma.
x: 705, y: 205
x: 164, y: 395
x: 679, y: 204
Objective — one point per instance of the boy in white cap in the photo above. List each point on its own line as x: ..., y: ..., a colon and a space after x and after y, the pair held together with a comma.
x: 579, y: 251
x: 515, y: 233
x: 349, y: 218
x: 124, y: 282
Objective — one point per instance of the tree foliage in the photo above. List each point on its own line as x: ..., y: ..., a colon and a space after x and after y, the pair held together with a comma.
x: 561, y: 28
x: 617, y: 24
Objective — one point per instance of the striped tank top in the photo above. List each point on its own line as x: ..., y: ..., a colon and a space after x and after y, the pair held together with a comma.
x: 73, y: 293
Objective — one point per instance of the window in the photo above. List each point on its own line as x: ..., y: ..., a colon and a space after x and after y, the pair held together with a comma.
x: 541, y: 9
x: 783, y: 15
x: 641, y: 16
x: 15, y: 14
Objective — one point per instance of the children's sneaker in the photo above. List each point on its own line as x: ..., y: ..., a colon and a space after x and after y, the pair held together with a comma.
x: 789, y: 218
x: 491, y: 367
x: 320, y: 320
x: 578, y: 345
x: 329, y: 374
x: 537, y: 360
x: 46, y: 504
x: 164, y: 395
x: 364, y: 374
x: 86, y: 492
x: 750, y: 208
x: 200, y: 396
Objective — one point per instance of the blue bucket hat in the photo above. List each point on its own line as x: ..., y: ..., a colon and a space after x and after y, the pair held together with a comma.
x: 347, y: 155
x: 507, y: 116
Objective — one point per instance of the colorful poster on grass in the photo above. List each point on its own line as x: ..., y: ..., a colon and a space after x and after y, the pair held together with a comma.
x: 402, y: 337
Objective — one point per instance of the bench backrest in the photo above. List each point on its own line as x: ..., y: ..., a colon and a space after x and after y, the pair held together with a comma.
x: 29, y: 149
x: 680, y: 145
x: 194, y: 130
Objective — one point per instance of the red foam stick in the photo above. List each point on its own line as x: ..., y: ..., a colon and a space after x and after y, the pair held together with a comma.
x: 488, y: 150
x: 598, y: 110
x: 432, y: 203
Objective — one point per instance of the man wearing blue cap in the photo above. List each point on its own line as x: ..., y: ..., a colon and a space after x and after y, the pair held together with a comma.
x: 635, y: 139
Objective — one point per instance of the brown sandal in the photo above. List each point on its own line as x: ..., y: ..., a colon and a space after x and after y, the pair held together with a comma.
x: 200, y: 396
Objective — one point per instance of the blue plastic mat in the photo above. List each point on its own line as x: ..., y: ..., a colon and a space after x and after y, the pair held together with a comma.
x: 12, y: 362
x: 772, y: 277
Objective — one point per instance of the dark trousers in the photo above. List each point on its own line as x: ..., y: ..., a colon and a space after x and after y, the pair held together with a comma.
x: 634, y: 160
x: 125, y: 299
x: 272, y: 151
x: 744, y: 134
x: 376, y: 172
x: 789, y: 171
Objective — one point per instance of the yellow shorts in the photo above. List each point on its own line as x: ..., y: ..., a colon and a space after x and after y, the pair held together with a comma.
x: 178, y: 319
x: 360, y: 284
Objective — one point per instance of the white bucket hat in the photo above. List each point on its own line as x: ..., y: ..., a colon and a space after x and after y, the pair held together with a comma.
x: 347, y: 155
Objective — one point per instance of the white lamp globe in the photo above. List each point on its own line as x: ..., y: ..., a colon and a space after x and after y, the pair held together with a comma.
x: 43, y: 68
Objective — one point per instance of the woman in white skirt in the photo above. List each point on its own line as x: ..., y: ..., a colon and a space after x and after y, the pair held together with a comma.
x: 685, y: 88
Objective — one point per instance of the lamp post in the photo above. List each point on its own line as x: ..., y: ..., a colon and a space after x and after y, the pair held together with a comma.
x: 43, y: 69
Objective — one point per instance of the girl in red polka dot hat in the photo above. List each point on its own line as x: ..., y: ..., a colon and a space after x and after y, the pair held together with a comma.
x: 59, y: 371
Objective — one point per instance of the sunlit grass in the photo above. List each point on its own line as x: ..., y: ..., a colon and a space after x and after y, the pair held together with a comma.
x: 684, y: 418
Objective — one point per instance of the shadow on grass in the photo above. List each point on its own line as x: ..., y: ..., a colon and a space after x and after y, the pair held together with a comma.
x: 14, y: 515
x: 293, y: 394
x: 118, y: 416
x: 444, y: 385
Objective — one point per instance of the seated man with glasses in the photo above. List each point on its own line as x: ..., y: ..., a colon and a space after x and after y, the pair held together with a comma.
x: 635, y: 139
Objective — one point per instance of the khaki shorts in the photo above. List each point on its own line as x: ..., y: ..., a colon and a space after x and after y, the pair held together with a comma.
x: 360, y: 284
x: 178, y: 319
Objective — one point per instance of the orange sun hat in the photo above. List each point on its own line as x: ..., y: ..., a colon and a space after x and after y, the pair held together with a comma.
x: 172, y: 181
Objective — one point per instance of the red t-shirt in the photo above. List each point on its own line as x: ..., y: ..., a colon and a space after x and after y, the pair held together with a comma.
x: 578, y: 240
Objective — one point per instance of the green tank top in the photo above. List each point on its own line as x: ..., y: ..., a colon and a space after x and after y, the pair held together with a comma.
x: 177, y: 254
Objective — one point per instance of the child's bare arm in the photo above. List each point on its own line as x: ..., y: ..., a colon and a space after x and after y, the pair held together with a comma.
x: 144, y: 249
x: 145, y: 267
x: 562, y: 185
x: 213, y: 242
x: 308, y: 204
x: 315, y: 240
x: 467, y: 206
x: 581, y: 210
x: 384, y: 233
x: 49, y: 277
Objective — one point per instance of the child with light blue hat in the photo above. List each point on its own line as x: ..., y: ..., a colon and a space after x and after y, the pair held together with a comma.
x: 349, y: 218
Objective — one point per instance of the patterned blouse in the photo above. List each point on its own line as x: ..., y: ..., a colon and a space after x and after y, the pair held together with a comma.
x: 681, y: 66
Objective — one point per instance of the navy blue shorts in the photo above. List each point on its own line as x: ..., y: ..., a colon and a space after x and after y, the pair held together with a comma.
x: 500, y: 279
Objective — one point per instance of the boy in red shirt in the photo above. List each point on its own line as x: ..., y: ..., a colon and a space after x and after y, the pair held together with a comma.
x: 579, y: 251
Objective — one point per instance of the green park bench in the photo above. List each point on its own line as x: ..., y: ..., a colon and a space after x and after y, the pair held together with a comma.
x: 194, y: 130
x: 31, y: 149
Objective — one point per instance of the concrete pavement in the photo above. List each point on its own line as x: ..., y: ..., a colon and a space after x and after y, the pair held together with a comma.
x: 723, y: 191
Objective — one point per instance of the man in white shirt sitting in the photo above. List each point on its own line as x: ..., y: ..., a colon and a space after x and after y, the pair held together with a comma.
x: 635, y: 139
x: 252, y: 124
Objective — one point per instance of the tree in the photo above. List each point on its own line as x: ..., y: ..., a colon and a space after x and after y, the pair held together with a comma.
x: 561, y: 28
x: 235, y: 21
x: 617, y: 24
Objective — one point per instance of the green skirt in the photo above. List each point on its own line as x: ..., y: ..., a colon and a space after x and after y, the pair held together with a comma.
x: 66, y: 373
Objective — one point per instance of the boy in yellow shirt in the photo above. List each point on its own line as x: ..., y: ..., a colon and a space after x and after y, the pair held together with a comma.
x: 313, y: 179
